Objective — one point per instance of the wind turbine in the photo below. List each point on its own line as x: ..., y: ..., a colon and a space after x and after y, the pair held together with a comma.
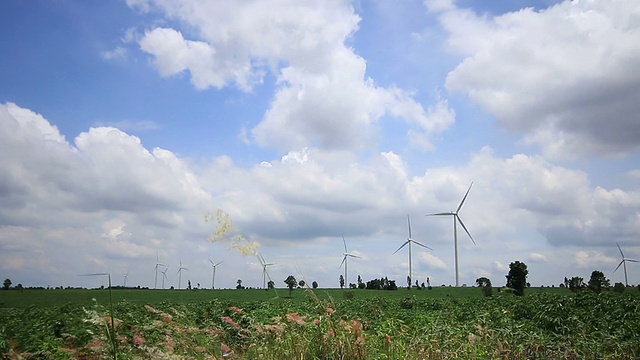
x: 346, y: 255
x: 213, y: 277
x: 158, y: 263
x: 624, y: 265
x: 455, y: 216
x: 264, y: 270
x: 180, y: 275
x: 164, y: 276
x: 408, y: 242
x: 125, y: 279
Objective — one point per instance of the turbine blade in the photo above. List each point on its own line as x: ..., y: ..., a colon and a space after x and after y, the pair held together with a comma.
x: 440, y: 214
x: 617, y: 267
x: 632, y: 260
x: 464, y: 198
x: 355, y: 256
x: 345, y: 244
x: 409, y: 223
x: 210, y: 261
x: 218, y: 263
x: 343, y: 260
x: 403, y: 245
x: 621, y: 254
x: 424, y: 246
x: 465, y: 229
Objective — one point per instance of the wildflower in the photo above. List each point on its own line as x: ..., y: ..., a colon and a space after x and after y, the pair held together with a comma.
x: 330, y: 311
x: 226, y: 350
x: 151, y: 309
x: 295, y: 318
x: 138, y: 339
x: 388, y: 339
x: 168, y: 318
x: 276, y: 329
x: 360, y: 340
x: 230, y: 321
x: 236, y: 310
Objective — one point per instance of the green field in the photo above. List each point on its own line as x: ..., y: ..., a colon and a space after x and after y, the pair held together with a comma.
x: 442, y: 323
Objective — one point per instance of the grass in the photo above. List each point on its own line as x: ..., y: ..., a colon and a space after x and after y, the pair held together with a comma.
x: 442, y: 323
x: 84, y: 297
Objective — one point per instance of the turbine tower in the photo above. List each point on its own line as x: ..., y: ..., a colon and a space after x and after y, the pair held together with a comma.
x: 408, y: 242
x: 213, y: 276
x: 456, y: 218
x: 264, y: 270
x: 624, y: 265
x: 180, y: 275
x: 158, y: 263
x: 164, y: 276
x: 125, y: 279
x: 346, y: 255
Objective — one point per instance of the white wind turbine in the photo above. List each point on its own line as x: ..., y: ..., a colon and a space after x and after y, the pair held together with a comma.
x: 213, y: 276
x: 158, y: 263
x: 180, y: 275
x: 346, y: 255
x: 456, y: 218
x: 624, y: 265
x: 408, y: 242
x: 264, y: 270
x: 164, y: 276
x: 125, y: 279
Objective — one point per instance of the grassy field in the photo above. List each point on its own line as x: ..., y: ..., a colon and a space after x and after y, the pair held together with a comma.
x: 48, y: 298
x: 442, y: 323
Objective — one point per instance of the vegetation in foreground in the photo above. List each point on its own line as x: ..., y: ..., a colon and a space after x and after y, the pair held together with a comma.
x: 539, y: 325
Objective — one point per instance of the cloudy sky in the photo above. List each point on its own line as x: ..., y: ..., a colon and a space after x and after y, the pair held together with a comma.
x: 123, y: 122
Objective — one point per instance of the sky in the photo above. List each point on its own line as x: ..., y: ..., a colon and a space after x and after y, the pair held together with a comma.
x: 123, y: 123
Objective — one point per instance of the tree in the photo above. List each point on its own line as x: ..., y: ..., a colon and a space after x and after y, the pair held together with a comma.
x: 485, y: 284
x: 576, y: 283
x: 271, y: 285
x: 361, y: 284
x: 598, y: 281
x: 239, y: 286
x: 341, y: 282
x: 314, y: 284
x: 291, y: 283
x: 618, y: 287
x: 7, y: 284
x: 517, y: 277
x: 408, y: 282
x: 301, y: 283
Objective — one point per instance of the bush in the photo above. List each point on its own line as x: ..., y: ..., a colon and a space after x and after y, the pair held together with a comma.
x: 618, y: 287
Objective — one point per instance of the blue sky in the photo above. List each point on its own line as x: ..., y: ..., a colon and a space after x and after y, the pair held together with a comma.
x: 123, y: 122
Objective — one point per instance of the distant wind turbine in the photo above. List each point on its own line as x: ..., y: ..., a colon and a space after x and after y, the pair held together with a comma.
x: 624, y: 265
x: 125, y: 279
x: 455, y: 216
x: 158, y: 263
x: 164, y: 276
x: 264, y: 270
x: 345, y: 256
x: 180, y: 275
x: 408, y: 242
x: 213, y: 276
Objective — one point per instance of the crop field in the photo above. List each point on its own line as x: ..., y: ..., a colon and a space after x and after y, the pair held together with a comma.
x: 443, y: 323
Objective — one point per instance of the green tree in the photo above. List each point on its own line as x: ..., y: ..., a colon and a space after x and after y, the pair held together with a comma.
x: 598, y: 281
x: 341, y: 282
x: 576, y: 283
x: 485, y: 285
x: 517, y: 277
x: 271, y: 285
x: 618, y: 287
x: 239, y: 286
x: 301, y: 283
x: 291, y: 283
x: 7, y: 284
x: 314, y: 284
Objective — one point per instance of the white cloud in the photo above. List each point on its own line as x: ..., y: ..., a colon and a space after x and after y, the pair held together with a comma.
x: 325, y: 98
x: 563, y: 76
x: 537, y: 258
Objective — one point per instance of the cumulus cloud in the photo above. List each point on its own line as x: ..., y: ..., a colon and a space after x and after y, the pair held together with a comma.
x: 324, y: 98
x: 563, y: 76
x: 107, y: 195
